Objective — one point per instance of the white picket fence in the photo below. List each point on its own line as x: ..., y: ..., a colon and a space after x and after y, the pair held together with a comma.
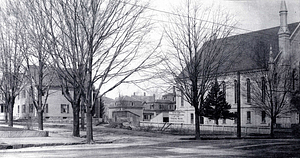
x: 212, y: 128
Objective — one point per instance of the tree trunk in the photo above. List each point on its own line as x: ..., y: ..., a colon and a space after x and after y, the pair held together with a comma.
x: 40, y: 119
x: 197, y: 123
x: 10, y: 113
x: 82, y: 116
x: 272, y: 127
x: 217, y: 121
x: 89, y: 126
x: 76, y: 131
x: 6, y: 113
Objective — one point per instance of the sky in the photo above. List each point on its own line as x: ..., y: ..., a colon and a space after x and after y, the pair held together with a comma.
x: 251, y: 15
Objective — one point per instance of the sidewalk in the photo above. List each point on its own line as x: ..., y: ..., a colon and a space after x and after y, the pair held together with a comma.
x: 57, y: 136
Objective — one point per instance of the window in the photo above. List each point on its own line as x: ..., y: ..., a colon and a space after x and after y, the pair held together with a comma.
x: 224, y: 88
x: 263, y: 117
x: 263, y: 89
x: 2, y: 108
x: 201, y: 120
x: 224, y: 121
x: 248, y: 116
x: 30, y: 108
x: 23, y: 94
x: 192, y: 118
x: 145, y: 117
x: 182, y: 99
x: 23, y: 108
x: 30, y: 93
x: 64, y: 108
x: 18, y: 108
x: 46, y: 108
x: 235, y: 91
x: 293, y: 79
x: 248, y: 91
x: 165, y: 119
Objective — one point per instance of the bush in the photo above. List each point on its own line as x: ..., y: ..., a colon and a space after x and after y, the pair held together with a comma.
x: 114, y: 125
x: 147, y: 128
x: 296, y: 130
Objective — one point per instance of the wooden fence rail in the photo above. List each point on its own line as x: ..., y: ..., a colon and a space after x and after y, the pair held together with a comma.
x: 213, y: 128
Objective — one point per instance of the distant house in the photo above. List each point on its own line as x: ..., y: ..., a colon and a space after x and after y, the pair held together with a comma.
x: 169, y: 96
x: 126, y: 106
x: 160, y: 107
x: 152, y: 109
x: 143, y: 98
x: 138, y: 108
x: 126, y: 116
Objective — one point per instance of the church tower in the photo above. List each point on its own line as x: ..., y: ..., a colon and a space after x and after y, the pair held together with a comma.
x: 284, y: 32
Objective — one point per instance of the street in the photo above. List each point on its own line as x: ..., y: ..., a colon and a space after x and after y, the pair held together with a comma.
x: 180, y: 148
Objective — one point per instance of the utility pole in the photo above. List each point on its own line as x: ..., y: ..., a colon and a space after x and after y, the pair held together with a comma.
x: 238, y: 100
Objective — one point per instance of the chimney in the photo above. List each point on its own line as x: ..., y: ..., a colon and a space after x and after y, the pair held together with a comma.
x: 153, y: 97
x: 144, y: 93
x: 133, y: 93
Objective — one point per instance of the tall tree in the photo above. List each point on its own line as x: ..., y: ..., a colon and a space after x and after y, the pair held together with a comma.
x: 198, y: 39
x: 215, y: 105
x: 11, y: 58
x: 97, y: 46
x: 35, y: 50
x: 270, y: 89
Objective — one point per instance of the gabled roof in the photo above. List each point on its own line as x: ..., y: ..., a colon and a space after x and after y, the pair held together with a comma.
x: 50, y: 77
x: 127, y: 98
x: 253, y: 49
x: 249, y: 51
x: 143, y: 98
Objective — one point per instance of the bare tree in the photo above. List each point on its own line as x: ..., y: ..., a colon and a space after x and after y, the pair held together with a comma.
x: 271, y: 88
x: 36, y: 53
x: 198, y: 40
x: 98, y: 45
x: 12, y: 70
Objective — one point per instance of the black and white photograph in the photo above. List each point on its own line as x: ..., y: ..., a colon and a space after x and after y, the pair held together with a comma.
x: 149, y: 78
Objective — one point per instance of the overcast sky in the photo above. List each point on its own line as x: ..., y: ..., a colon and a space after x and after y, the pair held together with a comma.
x: 251, y: 15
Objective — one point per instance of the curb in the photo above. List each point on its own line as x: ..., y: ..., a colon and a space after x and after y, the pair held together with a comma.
x: 24, y: 133
x: 19, y: 146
